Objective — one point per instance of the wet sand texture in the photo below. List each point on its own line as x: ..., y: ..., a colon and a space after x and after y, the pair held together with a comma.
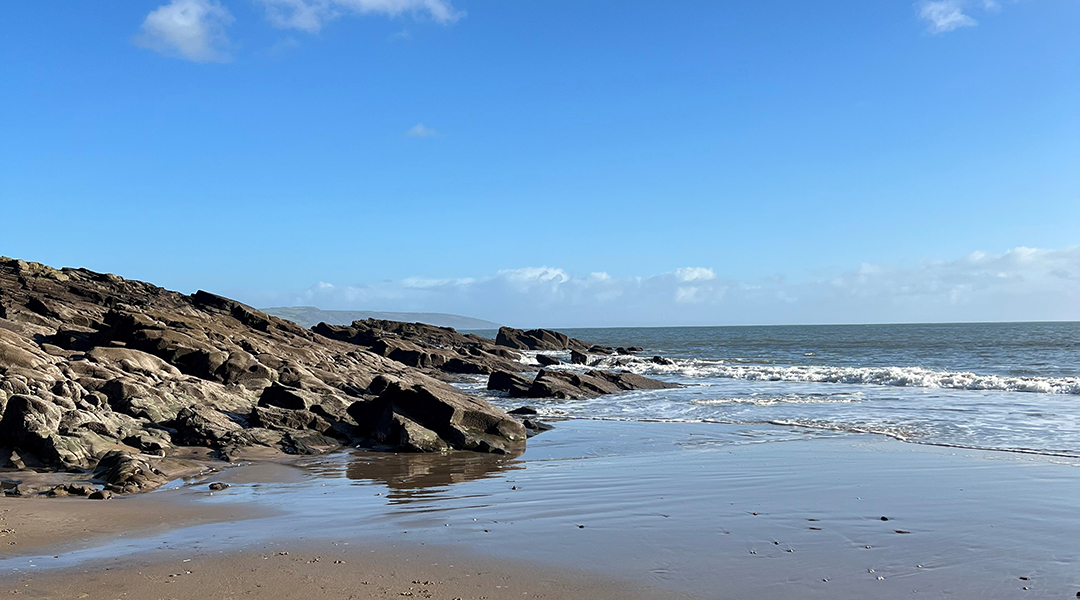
x: 705, y: 510
x: 331, y: 573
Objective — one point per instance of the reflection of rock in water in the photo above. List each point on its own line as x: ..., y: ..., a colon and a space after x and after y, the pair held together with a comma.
x: 413, y: 477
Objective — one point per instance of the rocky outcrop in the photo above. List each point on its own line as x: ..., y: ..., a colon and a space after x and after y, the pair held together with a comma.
x: 426, y: 347
x: 513, y: 383
x: 538, y: 339
x: 94, y: 366
x: 575, y: 386
x: 428, y: 417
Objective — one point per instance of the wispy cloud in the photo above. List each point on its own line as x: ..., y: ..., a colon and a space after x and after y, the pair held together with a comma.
x: 312, y: 15
x: 942, y: 16
x: 1021, y: 284
x: 421, y: 130
x: 188, y: 29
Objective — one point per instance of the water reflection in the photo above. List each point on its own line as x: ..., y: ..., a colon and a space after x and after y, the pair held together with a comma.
x: 419, y: 477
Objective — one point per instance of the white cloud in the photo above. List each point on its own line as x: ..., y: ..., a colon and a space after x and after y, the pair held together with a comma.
x: 191, y: 29
x: 421, y: 130
x: 946, y: 15
x: 1021, y: 284
x: 311, y: 15
x: 694, y: 274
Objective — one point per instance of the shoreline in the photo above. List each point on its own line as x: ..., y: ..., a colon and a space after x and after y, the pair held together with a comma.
x: 327, y: 571
x: 664, y: 508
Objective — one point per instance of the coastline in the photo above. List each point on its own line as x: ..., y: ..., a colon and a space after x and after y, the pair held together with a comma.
x: 687, y: 510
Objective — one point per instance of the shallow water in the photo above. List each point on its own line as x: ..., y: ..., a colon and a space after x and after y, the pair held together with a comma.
x: 751, y: 511
x: 1003, y: 386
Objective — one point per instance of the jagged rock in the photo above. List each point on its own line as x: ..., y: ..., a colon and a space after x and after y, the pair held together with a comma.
x: 660, y: 360
x: 149, y: 444
x: 575, y: 386
x: 536, y: 426
x: 578, y: 358
x: 204, y: 426
x: 524, y: 410
x: 537, y: 339
x: 125, y: 473
x: 92, y: 363
x: 31, y: 423
x: 460, y: 421
x: 329, y: 406
x: 273, y: 417
x: 508, y: 382
x: 425, y: 346
x: 546, y: 360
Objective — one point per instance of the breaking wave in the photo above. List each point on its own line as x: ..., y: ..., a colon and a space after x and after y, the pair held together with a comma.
x: 886, y: 376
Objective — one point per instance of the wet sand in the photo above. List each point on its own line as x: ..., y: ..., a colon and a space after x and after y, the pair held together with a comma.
x: 326, y: 572
x: 700, y: 510
x: 61, y: 525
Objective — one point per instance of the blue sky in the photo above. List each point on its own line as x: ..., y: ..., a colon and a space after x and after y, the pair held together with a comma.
x: 556, y: 163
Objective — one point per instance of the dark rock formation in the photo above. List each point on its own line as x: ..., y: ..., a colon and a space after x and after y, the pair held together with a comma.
x: 426, y: 346
x: 578, y: 358
x: 575, y: 386
x: 508, y: 382
x: 125, y: 473
x: 538, y: 339
x: 96, y: 367
x: 430, y: 416
x: 547, y: 361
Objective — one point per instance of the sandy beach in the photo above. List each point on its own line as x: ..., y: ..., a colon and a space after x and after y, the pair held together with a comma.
x: 654, y: 509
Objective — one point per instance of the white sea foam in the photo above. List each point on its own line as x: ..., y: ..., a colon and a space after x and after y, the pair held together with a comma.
x: 775, y: 400
x: 888, y: 376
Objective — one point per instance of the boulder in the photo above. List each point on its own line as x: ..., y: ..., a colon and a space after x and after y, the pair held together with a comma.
x: 575, y: 386
x: 460, y: 421
x: 126, y: 473
x: 578, y: 358
x: 508, y: 382
x: 547, y: 360
x: 30, y: 424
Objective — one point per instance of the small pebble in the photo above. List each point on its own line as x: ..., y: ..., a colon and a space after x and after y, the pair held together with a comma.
x: 884, y: 518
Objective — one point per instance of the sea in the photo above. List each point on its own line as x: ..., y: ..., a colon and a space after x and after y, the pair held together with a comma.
x: 1012, y: 387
